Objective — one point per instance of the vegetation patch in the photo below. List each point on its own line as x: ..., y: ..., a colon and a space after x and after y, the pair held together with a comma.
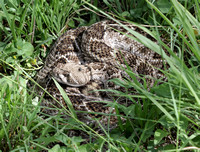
x: 164, y: 118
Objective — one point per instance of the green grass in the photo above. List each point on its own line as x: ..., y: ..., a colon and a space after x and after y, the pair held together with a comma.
x: 167, y: 116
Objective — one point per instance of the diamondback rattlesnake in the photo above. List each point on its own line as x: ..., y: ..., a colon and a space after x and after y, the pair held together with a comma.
x: 85, y: 58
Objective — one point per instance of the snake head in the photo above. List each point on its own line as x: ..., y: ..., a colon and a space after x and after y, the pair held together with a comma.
x: 72, y: 74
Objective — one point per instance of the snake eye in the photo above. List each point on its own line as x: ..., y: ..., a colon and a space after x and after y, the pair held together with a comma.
x: 66, y: 75
x: 79, y: 69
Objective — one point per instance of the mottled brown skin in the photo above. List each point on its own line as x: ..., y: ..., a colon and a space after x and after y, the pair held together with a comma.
x: 81, y: 102
x: 96, y: 53
x: 63, y: 51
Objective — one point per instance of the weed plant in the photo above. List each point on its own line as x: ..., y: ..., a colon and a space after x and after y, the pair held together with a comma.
x: 164, y: 118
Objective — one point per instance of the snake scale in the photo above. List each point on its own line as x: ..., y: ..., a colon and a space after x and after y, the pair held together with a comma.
x: 84, y: 59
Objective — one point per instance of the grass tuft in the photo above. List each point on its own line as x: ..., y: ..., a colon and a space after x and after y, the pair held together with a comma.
x: 163, y: 118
